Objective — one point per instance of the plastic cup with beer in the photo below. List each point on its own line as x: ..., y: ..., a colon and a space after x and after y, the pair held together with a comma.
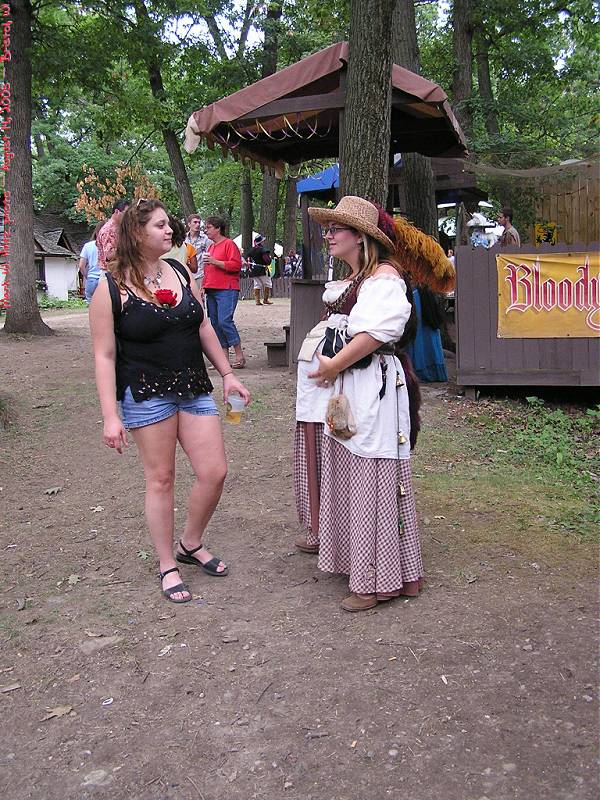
x: 235, y: 408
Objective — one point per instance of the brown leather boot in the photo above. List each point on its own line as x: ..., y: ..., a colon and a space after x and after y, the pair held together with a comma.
x: 267, y: 302
x: 359, y: 602
x: 257, y: 297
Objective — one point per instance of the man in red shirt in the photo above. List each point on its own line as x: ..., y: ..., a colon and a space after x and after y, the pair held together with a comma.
x: 106, y: 240
x: 221, y: 284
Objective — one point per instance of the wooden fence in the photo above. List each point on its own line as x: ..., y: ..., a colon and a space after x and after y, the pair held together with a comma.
x: 482, y: 359
x: 281, y: 288
x: 572, y: 201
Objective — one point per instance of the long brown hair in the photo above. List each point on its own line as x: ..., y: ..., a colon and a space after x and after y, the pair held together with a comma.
x: 372, y: 255
x: 128, y: 266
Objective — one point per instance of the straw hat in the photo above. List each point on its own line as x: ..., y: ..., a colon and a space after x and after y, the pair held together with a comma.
x: 420, y: 255
x: 355, y: 213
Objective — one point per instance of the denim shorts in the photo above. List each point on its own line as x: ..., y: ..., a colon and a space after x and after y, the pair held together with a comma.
x: 148, y: 412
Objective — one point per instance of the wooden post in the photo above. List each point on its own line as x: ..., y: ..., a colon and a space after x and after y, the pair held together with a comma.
x: 307, y: 267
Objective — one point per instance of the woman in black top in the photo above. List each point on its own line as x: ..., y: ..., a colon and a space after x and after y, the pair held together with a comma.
x: 150, y: 333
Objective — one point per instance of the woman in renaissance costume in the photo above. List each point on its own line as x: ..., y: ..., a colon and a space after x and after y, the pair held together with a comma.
x: 352, y: 477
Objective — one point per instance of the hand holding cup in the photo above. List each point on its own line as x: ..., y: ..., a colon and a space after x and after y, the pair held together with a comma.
x: 235, y: 408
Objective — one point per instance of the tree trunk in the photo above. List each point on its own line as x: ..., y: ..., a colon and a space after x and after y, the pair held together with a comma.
x: 419, y: 185
x: 23, y: 314
x: 417, y: 175
x: 184, y: 190
x: 485, y: 85
x: 246, y: 209
x: 271, y: 33
x: 405, y: 48
x: 462, y: 80
x: 40, y: 147
x: 270, y: 188
x: 365, y: 138
x: 268, y: 209
x: 289, y: 219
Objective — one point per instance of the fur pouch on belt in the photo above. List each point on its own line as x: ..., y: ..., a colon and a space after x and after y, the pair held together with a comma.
x: 340, y: 419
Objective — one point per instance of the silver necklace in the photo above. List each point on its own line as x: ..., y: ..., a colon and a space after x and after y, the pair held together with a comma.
x: 155, y: 280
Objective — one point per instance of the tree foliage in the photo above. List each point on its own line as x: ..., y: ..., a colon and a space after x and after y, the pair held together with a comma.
x: 97, y: 195
x: 542, y: 73
x: 92, y: 101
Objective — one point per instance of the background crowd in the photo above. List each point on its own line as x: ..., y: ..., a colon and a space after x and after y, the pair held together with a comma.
x: 211, y: 256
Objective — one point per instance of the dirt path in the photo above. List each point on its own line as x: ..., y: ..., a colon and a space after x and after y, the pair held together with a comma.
x: 262, y: 687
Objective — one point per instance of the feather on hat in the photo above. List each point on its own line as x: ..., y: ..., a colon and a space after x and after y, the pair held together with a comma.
x: 423, y: 258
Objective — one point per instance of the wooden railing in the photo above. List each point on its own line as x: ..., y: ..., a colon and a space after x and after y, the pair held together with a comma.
x: 281, y: 288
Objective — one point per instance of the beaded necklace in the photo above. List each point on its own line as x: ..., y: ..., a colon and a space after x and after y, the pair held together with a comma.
x: 155, y: 280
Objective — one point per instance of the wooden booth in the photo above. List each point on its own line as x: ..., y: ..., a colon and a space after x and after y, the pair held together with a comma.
x: 528, y: 318
x: 296, y: 115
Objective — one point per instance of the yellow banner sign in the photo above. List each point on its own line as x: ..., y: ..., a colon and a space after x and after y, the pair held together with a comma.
x: 548, y: 296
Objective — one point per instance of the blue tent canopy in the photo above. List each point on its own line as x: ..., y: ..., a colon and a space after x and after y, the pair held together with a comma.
x: 453, y: 181
x: 321, y: 182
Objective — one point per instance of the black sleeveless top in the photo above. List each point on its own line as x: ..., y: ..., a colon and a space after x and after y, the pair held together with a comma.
x: 158, y: 349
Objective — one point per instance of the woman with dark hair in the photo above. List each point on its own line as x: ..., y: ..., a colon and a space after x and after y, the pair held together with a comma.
x: 221, y: 283
x: 150, y: 334
x: 352, y: 475
x: 181, y: 251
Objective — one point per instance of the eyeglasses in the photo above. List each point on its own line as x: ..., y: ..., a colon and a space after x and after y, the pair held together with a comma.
x: 141, y: 200
x: 332, y: 230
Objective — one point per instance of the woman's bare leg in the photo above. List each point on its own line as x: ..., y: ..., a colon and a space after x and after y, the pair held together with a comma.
x: 156, y: 444
x: 202, y: 439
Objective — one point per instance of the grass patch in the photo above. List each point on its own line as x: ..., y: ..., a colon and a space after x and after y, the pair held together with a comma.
x: 54, y: 302
x: 10, y: 631
x: 540, y: 464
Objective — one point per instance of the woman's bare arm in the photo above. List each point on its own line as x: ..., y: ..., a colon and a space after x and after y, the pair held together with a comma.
x: 105, y: 348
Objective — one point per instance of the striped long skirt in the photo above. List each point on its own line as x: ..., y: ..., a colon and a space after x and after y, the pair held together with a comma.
x: 361, y: 512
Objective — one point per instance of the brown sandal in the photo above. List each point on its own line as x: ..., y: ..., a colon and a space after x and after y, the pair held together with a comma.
x: 304, y: 547
x: 239, y: 364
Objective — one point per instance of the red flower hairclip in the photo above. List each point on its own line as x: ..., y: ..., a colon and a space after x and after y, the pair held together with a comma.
x: 166, y: 298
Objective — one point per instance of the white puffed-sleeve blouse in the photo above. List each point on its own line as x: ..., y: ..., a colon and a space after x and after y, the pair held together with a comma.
x: 381, y: 310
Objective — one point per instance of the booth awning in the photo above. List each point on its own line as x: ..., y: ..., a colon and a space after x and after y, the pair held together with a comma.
x: 293, y: 115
